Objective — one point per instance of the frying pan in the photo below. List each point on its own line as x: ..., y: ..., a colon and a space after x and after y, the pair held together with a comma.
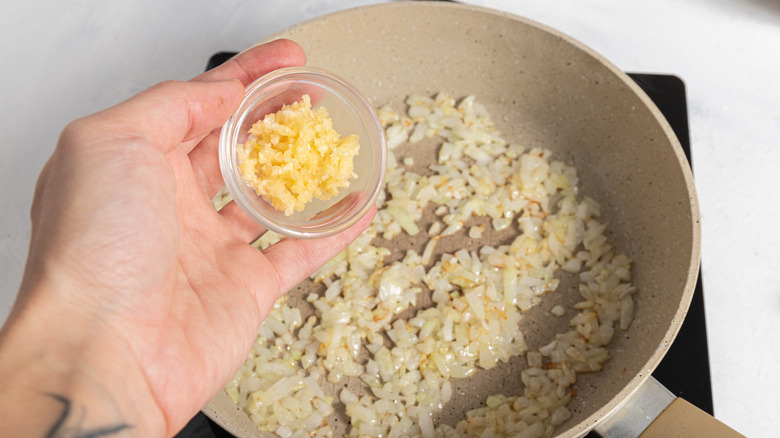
x: 543, y: 89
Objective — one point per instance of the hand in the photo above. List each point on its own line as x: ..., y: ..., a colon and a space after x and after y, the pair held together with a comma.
x: 139, y: 300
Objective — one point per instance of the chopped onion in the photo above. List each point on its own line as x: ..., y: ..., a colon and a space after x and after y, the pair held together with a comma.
x: 366, y: 328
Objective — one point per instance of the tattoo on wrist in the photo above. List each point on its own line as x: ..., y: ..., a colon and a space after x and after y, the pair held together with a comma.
x: 60, y: 430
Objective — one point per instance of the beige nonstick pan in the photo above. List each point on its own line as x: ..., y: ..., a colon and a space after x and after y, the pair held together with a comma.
x: 544, y: 90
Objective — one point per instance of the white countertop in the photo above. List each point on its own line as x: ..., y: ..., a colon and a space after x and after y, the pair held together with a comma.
x: 65, y: 59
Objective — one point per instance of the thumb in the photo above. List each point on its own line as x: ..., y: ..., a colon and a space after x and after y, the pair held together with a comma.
x: 173, y: 112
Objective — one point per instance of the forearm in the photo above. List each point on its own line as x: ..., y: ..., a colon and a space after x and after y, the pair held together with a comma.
x: 58, y: 380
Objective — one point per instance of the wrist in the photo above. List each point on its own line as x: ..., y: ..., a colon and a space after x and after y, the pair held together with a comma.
x: 64, y: 374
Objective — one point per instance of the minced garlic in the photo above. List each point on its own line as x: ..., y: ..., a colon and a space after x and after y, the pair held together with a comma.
x: 295, y: 155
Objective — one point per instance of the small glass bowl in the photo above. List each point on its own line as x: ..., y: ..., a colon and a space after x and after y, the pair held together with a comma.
x: 351, y: 113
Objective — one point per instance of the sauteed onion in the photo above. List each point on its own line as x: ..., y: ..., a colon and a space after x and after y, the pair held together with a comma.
x: 407, y: 327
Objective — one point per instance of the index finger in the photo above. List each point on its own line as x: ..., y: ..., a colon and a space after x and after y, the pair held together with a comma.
x: 257, y: 61
x: 246, y: 67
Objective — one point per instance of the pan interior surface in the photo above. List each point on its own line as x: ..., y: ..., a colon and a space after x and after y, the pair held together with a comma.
x: 543, y: 90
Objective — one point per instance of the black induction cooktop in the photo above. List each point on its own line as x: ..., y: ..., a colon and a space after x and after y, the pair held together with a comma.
x: 685, y: 370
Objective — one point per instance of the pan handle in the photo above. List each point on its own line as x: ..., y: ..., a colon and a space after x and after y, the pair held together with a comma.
x: 652, y: 411
x: 681, y: 418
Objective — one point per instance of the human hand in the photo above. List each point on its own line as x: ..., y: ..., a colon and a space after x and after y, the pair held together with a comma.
x: 139, y: 300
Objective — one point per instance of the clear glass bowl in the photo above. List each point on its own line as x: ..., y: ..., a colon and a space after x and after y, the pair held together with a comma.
x: 351, y: 113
